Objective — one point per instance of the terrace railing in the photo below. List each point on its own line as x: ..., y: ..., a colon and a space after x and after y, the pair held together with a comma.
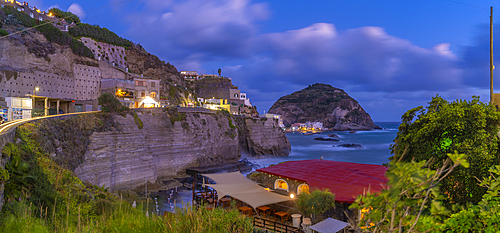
x: 274, y: 225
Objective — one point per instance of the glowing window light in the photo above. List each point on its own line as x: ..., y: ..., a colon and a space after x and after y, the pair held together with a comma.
x: 149, y: 102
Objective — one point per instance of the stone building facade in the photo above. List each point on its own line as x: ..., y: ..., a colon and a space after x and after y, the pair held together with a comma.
x: 87, y: 82
x: 107, y: 52
x: 146, y: 87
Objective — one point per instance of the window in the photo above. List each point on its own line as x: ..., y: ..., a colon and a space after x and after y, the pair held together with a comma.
x: 281, y: 184
x: 143, y: 94
x: 236, y: 95
x: 303, y: 188
x: 140, y: 83
x: 152, y: 84
x: 152, y: 94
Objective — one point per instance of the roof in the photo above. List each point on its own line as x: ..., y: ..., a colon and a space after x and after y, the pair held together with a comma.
x: 329, y: 225
x: 236, y: 185
x: 345, y: 180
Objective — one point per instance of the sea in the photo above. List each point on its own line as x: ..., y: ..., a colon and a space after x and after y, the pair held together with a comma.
x: 375, y: 146
x: 375, y: 150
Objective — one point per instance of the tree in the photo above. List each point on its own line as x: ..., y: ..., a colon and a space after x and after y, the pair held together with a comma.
x: 413, y: 200
x: 109, y: 103
x: 315, y: 203
x: 68, y: 16
x: 467, y: 127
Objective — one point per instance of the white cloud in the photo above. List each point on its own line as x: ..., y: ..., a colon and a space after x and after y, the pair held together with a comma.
x: 76, y: 9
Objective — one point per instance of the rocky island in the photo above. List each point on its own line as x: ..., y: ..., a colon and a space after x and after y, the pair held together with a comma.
x: 326, y: 104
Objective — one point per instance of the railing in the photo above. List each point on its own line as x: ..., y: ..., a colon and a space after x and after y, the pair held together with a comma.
x: 274, y: 225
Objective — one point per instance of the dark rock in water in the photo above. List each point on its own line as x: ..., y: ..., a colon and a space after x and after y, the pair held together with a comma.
x: 352, y: 132
x: 349, y: 145
x: 333, y: 135
x: 327, y: 139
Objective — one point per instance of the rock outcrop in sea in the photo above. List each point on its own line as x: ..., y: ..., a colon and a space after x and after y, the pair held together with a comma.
x: 326, y: 104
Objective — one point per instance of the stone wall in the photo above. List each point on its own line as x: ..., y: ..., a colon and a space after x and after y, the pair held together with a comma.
x: 270, y: 180
x: 105, y: 51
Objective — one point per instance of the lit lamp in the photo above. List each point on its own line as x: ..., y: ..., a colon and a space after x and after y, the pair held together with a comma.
x: 36, y: 89
x: 292, y: 196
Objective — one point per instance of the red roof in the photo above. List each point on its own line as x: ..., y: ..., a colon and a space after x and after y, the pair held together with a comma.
x: 345, y: 180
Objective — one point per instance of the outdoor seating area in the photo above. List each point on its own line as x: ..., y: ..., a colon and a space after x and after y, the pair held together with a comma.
x: 233, y: 190
x: 268, y: 210
x: 265, y: 217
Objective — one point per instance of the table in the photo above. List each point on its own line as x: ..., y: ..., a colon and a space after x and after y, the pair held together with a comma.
x: 281, y: 214
x: 263, y: 209
x: 245, y: 209
x: 210, y: 200
x: 224, y: 201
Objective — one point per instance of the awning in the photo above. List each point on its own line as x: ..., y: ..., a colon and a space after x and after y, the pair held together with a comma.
x: 329, y: 225
x: 236, y: 185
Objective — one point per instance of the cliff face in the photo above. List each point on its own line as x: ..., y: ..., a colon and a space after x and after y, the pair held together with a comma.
x: 168, y: 143
x: 326, y: 104
x: 141, y: 62
x: 212, y: 87
x: 262, y: 136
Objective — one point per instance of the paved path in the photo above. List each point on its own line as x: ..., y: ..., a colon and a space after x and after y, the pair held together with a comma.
x: 10, y: 125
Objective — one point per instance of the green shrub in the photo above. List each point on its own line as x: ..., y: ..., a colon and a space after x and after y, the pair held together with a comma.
x: 68, y: 16
x: 3, y: 32
x: 469, y: 127
x: 52, y: 34
x: 137, y: 120
x: 109, y: 103
x: 100, y: 34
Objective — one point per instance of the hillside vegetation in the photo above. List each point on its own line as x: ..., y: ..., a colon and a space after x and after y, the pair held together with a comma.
x: 42, y: 193
x: 50, y: 32
x: 99, y: 34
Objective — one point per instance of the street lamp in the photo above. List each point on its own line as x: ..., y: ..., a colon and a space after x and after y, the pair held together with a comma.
x: 36, y: 89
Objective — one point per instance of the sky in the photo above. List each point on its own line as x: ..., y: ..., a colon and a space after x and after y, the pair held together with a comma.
x: 389, y: 55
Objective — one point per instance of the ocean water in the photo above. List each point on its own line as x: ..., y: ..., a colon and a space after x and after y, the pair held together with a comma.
x: 375, y: 149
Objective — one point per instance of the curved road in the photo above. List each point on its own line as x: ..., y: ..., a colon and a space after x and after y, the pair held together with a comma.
x: 10, y: 124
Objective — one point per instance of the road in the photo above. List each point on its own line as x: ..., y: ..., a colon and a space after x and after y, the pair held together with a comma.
x: 10, y: 124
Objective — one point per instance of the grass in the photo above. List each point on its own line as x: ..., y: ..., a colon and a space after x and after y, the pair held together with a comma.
x: 122, y: 217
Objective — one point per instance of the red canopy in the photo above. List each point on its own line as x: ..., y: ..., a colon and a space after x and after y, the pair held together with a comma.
x: 345, y: 180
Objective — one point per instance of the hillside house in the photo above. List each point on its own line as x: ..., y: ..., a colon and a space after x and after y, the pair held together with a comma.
x: 190, y: 75
x: 147, y: 92
x: 274, y: 117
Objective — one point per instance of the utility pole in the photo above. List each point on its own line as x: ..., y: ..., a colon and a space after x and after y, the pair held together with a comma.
x: 491, y: 55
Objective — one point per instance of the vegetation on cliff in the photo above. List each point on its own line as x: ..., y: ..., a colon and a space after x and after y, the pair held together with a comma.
x: 99, y: 34
x: 44, y: 195
x: 66, y: 15
x: 50, y: 32
x: 324, y: 103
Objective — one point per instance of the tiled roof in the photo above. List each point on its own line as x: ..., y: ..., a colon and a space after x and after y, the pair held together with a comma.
x: 345, y: 180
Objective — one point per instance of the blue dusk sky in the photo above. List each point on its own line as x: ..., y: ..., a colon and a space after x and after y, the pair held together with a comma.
x: 389, y: 55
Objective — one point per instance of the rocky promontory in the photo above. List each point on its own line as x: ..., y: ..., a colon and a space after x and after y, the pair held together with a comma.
x: 326, y: 104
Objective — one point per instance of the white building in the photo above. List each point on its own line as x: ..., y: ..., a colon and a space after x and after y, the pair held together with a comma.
x: 243, y: 96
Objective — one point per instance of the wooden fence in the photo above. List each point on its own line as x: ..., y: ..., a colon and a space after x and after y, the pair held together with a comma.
x: 274, y: 225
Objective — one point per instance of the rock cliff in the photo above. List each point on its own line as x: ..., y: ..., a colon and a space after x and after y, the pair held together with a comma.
x: 326, y: 104
x: 212, y: 87
x: 262, y: 136
x: 169, y: 142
